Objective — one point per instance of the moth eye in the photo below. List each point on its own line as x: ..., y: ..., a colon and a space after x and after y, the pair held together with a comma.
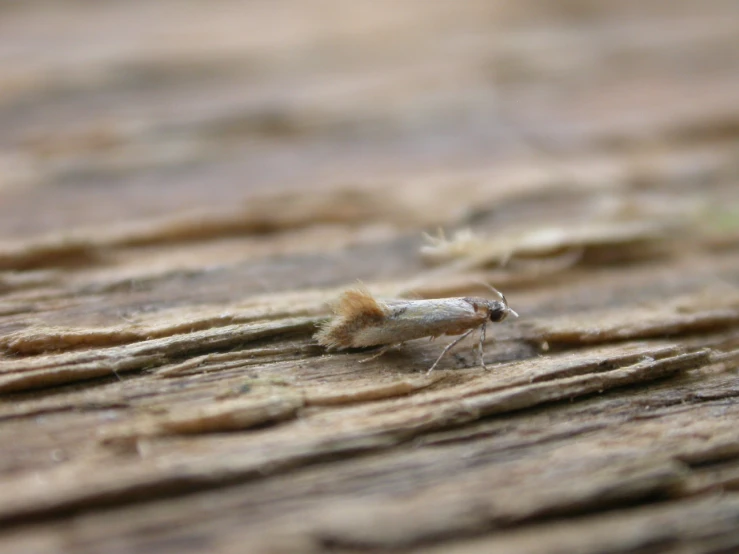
x: 498, y: 315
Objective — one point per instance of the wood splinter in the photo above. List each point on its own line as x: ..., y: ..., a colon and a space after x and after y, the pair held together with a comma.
x: 360, y: 320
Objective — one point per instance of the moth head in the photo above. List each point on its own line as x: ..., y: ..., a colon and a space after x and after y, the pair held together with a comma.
x: 499, y: 309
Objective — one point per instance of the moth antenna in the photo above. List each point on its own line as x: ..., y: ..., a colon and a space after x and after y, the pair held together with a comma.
x: 505, y: 302
x: 502, y: 297
x: 493, y: 289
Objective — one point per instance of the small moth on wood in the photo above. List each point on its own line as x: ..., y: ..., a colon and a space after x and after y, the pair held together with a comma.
x: 361, y: 320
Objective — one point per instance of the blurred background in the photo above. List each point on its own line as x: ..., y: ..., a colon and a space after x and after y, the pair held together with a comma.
x: 186, y: 184
x: 119, y: 111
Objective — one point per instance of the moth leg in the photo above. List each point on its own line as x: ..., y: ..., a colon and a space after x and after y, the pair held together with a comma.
x: 483, y: 329
x: 446, y: 349
x: 378, y: 354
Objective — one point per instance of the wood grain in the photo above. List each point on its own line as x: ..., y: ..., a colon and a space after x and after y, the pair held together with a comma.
x: 185, y: 186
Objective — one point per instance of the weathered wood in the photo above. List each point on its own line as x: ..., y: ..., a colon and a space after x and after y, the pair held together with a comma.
x: 177, y: 210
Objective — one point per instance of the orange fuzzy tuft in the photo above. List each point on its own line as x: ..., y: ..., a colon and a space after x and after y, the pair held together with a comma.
x: 355, y: 309
x: 356, y: 303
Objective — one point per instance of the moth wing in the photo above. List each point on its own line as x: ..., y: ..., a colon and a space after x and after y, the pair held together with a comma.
x: 433, y: 318
x: 441, y: 310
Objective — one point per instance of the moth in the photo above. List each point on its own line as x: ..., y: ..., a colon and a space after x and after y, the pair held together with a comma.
x: 361, y: 320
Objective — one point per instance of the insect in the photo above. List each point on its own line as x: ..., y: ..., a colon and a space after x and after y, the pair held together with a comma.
x: 361, y: 320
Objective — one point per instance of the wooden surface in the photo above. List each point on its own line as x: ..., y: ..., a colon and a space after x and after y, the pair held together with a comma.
x: 184, y: 186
